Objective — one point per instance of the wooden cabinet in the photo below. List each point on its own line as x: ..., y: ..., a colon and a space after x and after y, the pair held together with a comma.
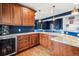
x: 31, y: 17
x: 34, y: 40
x: 57, y: 48
x: 15, y: 14
x: 42, y: 39
x: 60, y: 49
x: 25, y: 16
x: 49, y: 43
x: 75, y: 51
x: 27, y: 41
x: 22, y: 43
x: 7, y: 16
x: 0, y: 13
x: 45, y: 41
x: 28, y: 17
x: 70, y: 50
x: 11, y: 14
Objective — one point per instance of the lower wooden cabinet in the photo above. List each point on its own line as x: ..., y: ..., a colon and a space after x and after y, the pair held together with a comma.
x: 60, y: 49
x: 22, y: 42
x: 45, y: 41
x: 27, y: 41
x: 57, y: 48
x: 49, y: 43
x: 34, y: 40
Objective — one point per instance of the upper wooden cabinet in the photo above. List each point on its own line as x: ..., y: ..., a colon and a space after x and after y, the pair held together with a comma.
x: 0, y: 13
x: 15, y: 14
x: 7, y: 14
x: 31, y: 18
x: 25, y: 16
x: 28, y: 17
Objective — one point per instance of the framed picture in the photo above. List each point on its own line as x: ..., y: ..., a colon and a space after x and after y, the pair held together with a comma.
x: 71, y: 21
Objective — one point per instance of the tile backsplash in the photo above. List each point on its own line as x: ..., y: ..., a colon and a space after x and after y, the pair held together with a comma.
x: 20, y: 29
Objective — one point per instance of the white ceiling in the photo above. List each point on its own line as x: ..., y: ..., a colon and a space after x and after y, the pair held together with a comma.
x: 46, y: 8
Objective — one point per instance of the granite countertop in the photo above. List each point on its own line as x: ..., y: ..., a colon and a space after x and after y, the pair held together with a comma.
x: 66, y: 39
x: 63, y: 38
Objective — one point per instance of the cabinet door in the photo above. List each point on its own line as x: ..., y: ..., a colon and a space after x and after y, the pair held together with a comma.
x: 44, y: 40
x: 33, y: 40
x: 0, y: 13
x: 28, y: 17
x: 25, y: 17
x: 41, y: 39
x: 26, y: 41
x: 60, y: 49
x: 75, y: 51
x: 22, y: 43
x: 31, y: 17
x: 7, y: 13
x: 55, y: 51
x: 37, y: 39
x: 70, y: 50
x: 17, y: 14
x: 30, y: 41
x: 49, y: 43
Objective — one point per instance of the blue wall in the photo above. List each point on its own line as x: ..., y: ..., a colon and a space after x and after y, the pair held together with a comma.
x: 15, y: 29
